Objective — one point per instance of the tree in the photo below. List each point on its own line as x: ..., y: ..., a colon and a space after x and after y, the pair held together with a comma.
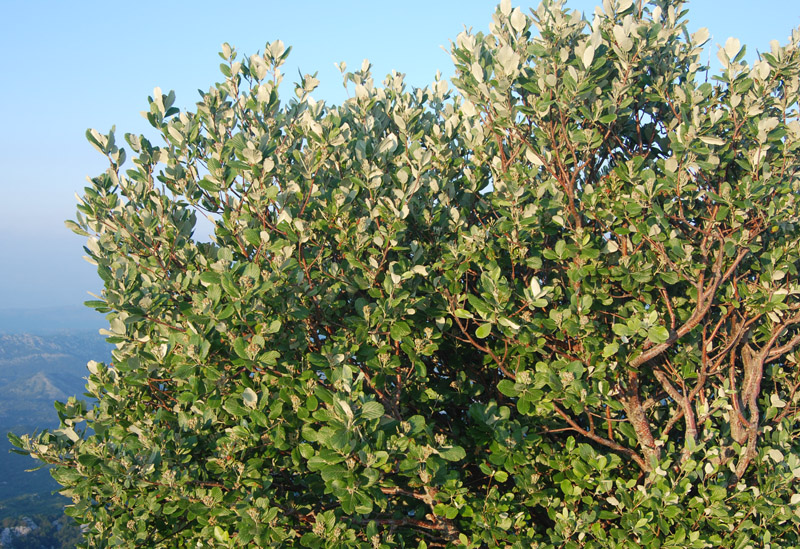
x: 558, y: 308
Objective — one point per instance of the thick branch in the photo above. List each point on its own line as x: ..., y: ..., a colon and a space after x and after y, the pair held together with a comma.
x: 600, y: 440
x: 705, y: 298
x: 688, y: 412
x: 637, y: 418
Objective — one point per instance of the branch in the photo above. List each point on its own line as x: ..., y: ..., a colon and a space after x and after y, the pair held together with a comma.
x: 397, y: 490
x: 600, y: 440
x: 637, y: 418
x: 686, y: 407
x: 500, y: 363
x: 705, y: 298
x: 778, y: 352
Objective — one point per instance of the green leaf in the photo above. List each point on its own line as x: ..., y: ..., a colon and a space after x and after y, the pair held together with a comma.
x: 621, y: 329
x: 711, y: 140
x: 209, y: 278
x: 240, y: 346
x: 250, y: 398
x: 233, y: 407
x: 372, y: 410
x: 274, y: 326
x: 670, y: 277
x: 775, y: 455
x: 658, y: 334
x: 483, y: 330
x: 208, y: 185
x: 15, y: 440
x: 75, y: 228
x: 672, y: 511
x: 221, y: 535
x: 507, y: 387
x: 610, y: 349
x: 454, y: 453
x: 480, y: 306
x: 399, y: 330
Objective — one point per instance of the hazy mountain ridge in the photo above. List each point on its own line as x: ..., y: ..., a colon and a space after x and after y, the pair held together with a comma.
x: 60, y: 357
x: 36, y: 370
x: 43, y: 386
x: 81, y: 342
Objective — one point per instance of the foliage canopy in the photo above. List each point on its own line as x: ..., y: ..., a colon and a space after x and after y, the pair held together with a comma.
x: 558, y: 308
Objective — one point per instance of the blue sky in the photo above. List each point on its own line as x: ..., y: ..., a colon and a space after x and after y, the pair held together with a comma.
x: 68, y: 66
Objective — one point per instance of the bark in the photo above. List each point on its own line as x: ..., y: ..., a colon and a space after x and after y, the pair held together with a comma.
x: 634, y: 410
x: 685, y: 403
x: 747, y: 431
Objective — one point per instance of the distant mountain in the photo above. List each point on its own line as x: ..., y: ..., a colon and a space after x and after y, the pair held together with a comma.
x: 23, y: 355
x: 42, y: 386
x: 35, y: 371
x: 66, y: 342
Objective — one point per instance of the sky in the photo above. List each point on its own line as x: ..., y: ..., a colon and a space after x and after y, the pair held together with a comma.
x: 69, y: 66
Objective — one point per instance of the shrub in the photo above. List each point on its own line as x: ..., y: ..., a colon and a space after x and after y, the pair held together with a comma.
x: 557, y: 307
